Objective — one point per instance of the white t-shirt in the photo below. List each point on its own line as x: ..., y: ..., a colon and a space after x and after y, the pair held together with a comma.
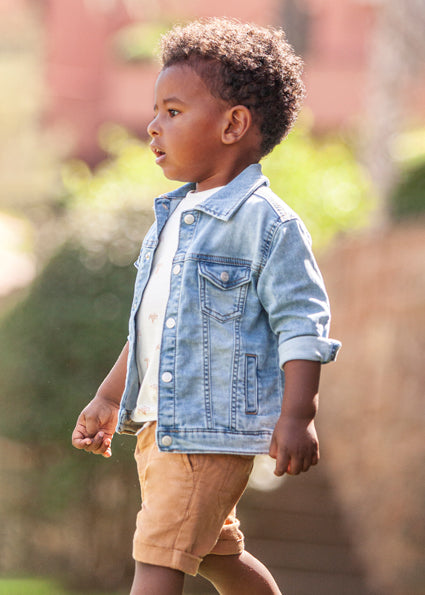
x: 151, y: 314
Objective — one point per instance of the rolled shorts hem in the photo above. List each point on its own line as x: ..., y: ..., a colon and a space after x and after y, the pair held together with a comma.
x: 228, y: 548
x: 159, y: 556
x: 179, y: 560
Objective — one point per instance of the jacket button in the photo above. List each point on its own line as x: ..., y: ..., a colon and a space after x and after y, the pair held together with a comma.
x: 166, y: 441
x: 189, y: 219
x: 170, y: 323
x: 176, y: 269
x: 224, y: 276
x: 167, y: 377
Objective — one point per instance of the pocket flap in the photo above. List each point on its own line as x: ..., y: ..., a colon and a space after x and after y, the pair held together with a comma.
x: 224, y: 275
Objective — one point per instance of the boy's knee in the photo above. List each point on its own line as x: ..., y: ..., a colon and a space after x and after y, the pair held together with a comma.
x: 238, y: 573
x: 214, y: 564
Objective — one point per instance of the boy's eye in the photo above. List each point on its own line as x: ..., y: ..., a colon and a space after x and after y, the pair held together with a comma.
x: 173, y: 112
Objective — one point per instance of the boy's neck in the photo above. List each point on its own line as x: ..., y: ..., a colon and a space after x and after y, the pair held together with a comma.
x: 224, y: 177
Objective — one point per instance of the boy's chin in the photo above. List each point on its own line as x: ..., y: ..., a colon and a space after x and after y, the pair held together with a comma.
x: 176, y: 177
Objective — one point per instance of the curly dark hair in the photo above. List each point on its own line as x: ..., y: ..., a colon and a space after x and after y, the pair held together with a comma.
x: 242, y: 64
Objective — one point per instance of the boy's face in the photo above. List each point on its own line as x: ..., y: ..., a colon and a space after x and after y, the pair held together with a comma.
x: 187, y: 128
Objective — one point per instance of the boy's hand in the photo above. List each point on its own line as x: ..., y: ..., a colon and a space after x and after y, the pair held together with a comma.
x: 294, y: 445
x: 97, y: 422
x: 95, y: 427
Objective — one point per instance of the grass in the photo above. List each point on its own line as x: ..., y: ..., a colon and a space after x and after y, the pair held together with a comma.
x: 39, y: 586
x: 36, y: 586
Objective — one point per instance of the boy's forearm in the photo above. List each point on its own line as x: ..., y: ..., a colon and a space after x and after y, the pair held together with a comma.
x: 112, y: 387
x: 294, y: 443
x: 301, y: 394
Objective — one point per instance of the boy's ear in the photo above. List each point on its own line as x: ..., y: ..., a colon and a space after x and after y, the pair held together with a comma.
x: 238, y: 121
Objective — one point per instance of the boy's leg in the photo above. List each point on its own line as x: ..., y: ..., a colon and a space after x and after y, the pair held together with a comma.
x: 155, y: 580
x: 240, y: 573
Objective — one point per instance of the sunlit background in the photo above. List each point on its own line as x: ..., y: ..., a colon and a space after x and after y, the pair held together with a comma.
x: 77, y: 183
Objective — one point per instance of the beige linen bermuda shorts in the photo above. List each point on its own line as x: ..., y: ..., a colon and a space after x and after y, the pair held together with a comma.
x: 188, y: 504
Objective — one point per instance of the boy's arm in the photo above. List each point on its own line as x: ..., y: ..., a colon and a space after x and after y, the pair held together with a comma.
x: 97, y: 422
x: 294, y: 444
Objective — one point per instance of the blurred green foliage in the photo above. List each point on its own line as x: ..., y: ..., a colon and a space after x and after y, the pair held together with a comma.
x: 408, y: 197
x: 319, y: 178
x: 57, y: 341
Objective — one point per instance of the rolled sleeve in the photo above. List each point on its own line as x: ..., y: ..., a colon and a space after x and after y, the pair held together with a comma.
x: 309, y: 347
x: 292, y: 291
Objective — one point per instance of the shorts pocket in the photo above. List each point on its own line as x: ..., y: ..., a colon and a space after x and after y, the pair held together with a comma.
x: 193, y: 461
x: 235, y: 479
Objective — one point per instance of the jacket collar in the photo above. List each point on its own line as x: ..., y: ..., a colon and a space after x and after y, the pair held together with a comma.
x: 225, y: 202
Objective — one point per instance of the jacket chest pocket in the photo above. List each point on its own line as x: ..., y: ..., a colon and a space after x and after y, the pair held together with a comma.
x: 223, y: 289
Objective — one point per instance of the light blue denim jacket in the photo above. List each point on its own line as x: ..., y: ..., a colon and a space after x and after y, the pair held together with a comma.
x: 246, y: 296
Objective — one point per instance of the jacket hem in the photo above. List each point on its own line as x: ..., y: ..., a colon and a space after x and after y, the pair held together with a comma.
x: 213, y: 441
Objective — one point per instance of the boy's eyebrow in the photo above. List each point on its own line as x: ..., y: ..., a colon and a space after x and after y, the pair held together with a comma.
x: 172, y: 99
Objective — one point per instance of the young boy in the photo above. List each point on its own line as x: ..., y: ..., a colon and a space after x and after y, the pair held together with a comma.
x: 229, y: 321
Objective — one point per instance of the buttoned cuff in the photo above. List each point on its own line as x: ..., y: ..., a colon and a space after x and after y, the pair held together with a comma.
x: 308, y: 347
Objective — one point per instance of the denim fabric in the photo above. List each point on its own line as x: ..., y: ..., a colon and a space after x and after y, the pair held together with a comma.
x: 246, y: 296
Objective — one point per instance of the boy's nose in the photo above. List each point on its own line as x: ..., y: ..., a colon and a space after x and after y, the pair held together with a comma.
x: 153, y: 128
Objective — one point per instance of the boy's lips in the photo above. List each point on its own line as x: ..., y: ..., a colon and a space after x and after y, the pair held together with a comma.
x: 159, y: 153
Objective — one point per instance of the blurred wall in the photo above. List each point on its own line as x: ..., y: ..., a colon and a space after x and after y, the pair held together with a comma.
x: 89, y: 83
x: 372, y: 407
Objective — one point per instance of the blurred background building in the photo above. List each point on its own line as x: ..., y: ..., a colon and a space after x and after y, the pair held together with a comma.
x: 98, y: 70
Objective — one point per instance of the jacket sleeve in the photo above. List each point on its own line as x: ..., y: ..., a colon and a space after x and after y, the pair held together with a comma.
x: 291, y: 290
